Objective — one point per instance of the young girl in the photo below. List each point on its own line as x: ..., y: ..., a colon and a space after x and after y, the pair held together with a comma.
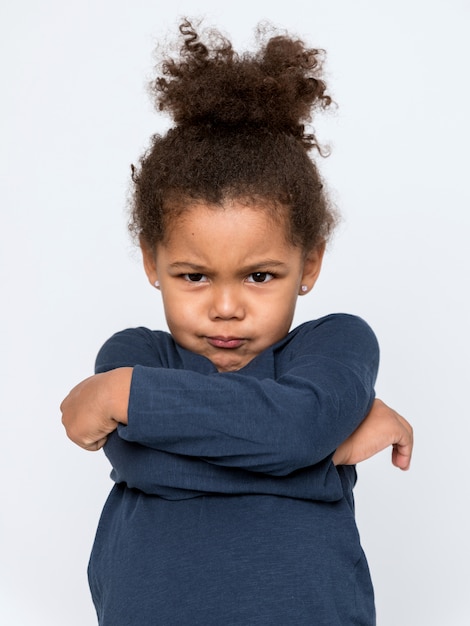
x: 232, y: 439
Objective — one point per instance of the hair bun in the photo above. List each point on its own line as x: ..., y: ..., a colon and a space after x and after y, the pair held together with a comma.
x: 210, y: 85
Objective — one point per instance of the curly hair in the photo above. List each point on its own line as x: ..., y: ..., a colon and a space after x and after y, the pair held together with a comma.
x: 239, y: 134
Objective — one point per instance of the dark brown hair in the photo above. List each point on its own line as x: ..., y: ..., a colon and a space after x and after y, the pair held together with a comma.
x: 239, y: 134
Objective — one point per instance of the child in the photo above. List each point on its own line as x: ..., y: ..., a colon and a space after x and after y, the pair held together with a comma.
x: 233, y: 439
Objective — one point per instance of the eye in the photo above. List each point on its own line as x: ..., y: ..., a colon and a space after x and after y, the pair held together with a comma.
x: 195, y: 278
x: 260, y: 277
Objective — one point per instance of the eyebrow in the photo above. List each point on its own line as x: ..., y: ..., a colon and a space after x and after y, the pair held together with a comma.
x: 247, y: 269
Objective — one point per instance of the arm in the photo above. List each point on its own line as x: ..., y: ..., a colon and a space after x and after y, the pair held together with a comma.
x: 155, y: 472
x: 177, y: 477
x: 383, y: 427
x: 292, y: 418
x: 94, y: 408
x: 290, y: 410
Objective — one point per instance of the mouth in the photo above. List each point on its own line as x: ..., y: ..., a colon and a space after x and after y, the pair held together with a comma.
x: 229, y: 343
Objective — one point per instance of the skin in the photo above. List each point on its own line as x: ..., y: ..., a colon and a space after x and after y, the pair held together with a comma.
x: 229, y: 280
x: 383, y: 427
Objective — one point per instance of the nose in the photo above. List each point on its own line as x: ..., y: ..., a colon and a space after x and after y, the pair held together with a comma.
x: 227, y: 303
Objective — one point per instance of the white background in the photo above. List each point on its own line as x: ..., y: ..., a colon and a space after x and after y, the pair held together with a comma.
x: 75, y: 114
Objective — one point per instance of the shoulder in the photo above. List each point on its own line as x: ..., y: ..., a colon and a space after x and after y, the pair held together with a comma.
x: 337, y: 326
x: 136, y: 346
x: 337, y: 336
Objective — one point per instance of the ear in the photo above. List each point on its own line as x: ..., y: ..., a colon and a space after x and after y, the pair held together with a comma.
x: 312, y: 267
x: 149, y: 258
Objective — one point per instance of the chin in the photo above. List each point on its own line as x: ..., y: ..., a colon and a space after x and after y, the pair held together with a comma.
x: 229, y: 365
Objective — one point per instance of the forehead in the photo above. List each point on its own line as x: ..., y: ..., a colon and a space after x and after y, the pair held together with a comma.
x: 232, y: 219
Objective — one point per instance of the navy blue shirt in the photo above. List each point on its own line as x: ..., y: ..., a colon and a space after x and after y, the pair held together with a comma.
x: 227, y: 508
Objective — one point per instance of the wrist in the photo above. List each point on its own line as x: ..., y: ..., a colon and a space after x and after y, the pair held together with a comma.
x: 339, y: 457
x: 118, y: 390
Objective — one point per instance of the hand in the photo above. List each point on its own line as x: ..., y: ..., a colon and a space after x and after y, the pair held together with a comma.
x: 95, y: 406
x: 382, y: 427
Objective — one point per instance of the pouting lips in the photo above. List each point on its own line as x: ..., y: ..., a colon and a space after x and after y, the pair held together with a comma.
x: 225, y: 342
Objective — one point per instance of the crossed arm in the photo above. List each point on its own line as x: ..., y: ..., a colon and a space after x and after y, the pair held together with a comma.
x: 94, y: 408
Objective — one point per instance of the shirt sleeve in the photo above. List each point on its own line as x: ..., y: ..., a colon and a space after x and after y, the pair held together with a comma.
x: 321, y: 388
x: 176, y: 477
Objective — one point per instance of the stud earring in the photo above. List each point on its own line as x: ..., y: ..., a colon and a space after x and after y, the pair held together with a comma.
x: 157, y: 284
x: 304, y: 288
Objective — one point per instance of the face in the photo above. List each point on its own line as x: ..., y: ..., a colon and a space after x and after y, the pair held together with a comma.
x: 229, y: 281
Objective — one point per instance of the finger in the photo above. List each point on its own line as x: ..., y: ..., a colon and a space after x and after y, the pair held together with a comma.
x: 401, y: 460
x: 401, y: 453
x: 403, y: 448
x: 95, y: 446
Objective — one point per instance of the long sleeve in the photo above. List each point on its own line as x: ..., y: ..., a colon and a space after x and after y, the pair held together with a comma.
x: 177, y: 477
x: 287, y: 410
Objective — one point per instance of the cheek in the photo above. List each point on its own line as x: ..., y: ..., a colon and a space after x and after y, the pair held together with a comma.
x: 276, y: 317
x: 284, y: 303
x: 180, y: 313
